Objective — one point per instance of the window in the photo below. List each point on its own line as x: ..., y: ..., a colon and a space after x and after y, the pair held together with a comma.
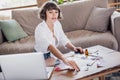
x: 15, y: 3
x: 7, y: 5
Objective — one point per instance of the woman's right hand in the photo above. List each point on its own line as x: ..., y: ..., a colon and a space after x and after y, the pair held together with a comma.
x: 71, y: 63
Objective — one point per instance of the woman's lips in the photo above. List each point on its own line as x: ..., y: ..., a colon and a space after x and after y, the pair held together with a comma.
x: 54, y: 18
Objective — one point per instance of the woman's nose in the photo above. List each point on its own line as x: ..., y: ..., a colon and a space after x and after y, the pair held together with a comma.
x: 54, y: 14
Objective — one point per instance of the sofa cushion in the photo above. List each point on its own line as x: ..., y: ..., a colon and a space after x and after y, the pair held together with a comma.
x: 27, y: 18
x: 1, y: 36
x: 86, y: 38
x: 77, y: 13
x: 12, y: 30
x: 99, y: 19
x: 24, y: 45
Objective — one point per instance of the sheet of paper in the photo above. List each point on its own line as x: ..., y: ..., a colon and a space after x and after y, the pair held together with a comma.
x: 62, y: 66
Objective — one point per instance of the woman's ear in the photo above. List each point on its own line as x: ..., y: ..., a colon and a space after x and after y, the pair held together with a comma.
x: 60, y: 15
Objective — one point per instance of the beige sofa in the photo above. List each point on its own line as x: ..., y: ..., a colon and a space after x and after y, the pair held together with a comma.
x: 76, y: 16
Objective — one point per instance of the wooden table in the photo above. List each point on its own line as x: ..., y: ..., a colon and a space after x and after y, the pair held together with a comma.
x: 112, y: 64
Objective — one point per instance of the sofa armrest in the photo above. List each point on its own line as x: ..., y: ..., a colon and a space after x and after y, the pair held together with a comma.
x: 115, y: 21
x: 1, y: 37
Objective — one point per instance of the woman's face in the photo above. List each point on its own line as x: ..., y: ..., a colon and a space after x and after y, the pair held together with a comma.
x: 51, y: 15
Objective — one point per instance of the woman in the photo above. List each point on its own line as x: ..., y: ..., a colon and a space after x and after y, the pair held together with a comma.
x: 49, y: 34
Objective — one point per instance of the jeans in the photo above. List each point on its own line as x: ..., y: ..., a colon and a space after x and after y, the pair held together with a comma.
x: 47, y: 55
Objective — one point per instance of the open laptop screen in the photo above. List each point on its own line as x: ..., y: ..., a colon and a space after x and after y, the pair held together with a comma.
x: 23, y: 66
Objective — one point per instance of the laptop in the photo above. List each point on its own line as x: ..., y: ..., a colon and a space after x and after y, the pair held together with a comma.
x: 25, y: 66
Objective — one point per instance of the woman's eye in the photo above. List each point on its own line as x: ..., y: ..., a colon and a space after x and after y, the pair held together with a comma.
x: 50, y: 12
x: 56, y: 12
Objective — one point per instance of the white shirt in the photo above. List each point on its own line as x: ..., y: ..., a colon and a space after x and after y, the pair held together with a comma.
x: 44, y: 37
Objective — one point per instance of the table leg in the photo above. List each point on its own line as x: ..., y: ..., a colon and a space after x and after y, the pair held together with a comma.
x: 102, y: 78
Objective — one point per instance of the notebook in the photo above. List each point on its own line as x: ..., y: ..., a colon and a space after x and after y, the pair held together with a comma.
x: 25, y: 66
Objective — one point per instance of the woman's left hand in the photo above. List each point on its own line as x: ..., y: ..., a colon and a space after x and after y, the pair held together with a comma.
x: 78, y: 48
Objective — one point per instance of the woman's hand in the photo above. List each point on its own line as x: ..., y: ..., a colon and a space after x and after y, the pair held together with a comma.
x: 71, y: 63
x: 72, y: 47
x: 78, y: 49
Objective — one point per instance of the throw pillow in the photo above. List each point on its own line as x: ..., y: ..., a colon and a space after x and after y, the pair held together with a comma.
x: 12, y: 30
x: 99, y: 19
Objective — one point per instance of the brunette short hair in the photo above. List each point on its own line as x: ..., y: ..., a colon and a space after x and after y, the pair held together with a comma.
x: 49, y: 6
